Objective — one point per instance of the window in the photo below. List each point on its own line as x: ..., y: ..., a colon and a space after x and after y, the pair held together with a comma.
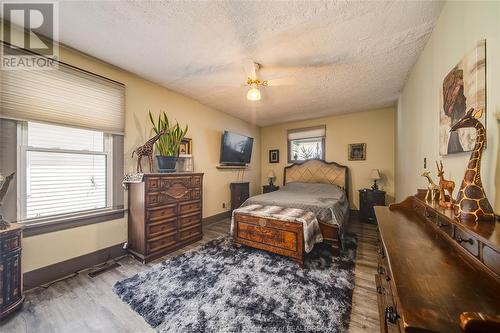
x: 306, y: 143
x: 66, y: 170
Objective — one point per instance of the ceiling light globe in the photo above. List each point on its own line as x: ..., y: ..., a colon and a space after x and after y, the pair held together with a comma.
x: 253, y: 94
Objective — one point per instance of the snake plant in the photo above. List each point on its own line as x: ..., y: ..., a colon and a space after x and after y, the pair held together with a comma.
x: 168, y: 144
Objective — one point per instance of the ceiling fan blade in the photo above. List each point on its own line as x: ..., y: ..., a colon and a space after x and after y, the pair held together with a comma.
x: 284, y: 81
x: 250, y: 68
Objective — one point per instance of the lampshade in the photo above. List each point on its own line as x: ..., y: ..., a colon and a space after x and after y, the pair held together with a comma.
x: 271, y: 174
x: 375, y: 174
x: 253, y: 94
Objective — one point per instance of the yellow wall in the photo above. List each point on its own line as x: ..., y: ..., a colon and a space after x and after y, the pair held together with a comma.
x: 205, y: 128
x: 459, y: 27
x: 375, y: 128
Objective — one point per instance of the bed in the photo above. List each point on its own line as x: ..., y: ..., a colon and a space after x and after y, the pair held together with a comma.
x: 312, y: 206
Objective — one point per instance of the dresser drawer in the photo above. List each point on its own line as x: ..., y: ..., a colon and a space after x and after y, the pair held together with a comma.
x: 467, y: 241
x: 152, y: 184
x: 189, y: 207
x: 161, y: 227
x: 196, y: 194
x: 10, y: 242
x: 161, y: 243
x: 161, y: 213
x: 167, y: 183
x: 491, y: 259
x: 196, y: 181
x: 190, y: 220
x: 190, y: 232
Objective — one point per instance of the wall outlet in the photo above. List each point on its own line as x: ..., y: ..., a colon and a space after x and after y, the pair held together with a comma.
x: 125, y: 245
x: 223, y: 205
x: 425, y: 162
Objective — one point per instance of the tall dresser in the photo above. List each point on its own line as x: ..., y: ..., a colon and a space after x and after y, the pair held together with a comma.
x: 165, y: 213
x: 11, y: 281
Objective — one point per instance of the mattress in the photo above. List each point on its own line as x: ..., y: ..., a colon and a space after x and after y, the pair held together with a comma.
x: 328, y: 202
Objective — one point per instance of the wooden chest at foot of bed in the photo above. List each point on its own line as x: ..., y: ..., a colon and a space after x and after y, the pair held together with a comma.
x: 280, y: 237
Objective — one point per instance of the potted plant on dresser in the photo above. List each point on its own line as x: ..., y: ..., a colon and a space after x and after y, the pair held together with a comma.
x: 167, y: 146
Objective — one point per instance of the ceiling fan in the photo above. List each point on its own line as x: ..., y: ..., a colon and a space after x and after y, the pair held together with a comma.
x: 255, y: 84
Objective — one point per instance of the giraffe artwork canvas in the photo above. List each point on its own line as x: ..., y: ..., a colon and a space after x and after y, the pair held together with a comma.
x: 464, y: 87
x: 472, y: 205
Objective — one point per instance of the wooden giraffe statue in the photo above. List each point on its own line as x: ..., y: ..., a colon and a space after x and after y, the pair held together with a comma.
x: 472, y: 204
x: 432, y: 188
x: 445, y: 185
x: 147, y: 150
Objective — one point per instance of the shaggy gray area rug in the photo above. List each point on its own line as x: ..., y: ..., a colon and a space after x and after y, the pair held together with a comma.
x: 220, y: 288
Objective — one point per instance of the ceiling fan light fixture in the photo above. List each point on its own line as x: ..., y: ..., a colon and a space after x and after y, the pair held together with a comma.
x: 253, y: 94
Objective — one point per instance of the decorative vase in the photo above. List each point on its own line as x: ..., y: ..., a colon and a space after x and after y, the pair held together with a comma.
x: 166, y: 163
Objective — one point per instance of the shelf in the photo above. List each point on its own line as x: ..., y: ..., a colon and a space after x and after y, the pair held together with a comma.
x: 232, y: 167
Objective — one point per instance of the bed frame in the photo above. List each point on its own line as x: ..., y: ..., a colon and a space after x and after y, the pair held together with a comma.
x: 287, y: 238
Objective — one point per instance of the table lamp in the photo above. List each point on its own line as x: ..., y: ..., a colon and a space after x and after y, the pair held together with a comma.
x: 375, y: 175
x: 271, y: 176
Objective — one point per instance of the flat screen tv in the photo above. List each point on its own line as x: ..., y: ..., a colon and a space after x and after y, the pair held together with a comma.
x: 236, y: 149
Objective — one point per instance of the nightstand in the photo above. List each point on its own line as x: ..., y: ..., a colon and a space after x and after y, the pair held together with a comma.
x: 269, y: 188
x: 369, y: 198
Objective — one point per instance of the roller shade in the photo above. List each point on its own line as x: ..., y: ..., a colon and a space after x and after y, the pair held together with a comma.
x: 66, y: 96
x: 307, y: 133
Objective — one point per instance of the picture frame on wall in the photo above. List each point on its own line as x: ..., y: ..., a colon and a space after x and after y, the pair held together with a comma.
x: 186, y: 148
x: 463, y: 88
x: 357, y: 152
x: 274, y: 156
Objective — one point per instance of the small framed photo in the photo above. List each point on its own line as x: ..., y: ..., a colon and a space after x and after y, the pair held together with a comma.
x: 357, y: 152
x: 274, y: 156
x: 186, y: 147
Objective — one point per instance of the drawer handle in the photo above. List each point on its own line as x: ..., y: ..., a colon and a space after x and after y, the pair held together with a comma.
x: 461, y: 240
x: 380, y: 290
x: 381, y: 270
x: 262, y: 222
x: 391, y: 315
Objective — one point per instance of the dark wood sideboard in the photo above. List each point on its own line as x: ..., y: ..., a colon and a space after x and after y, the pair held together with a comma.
x: 436, y: 274
x: 165, y: 213
x: 11, y: 278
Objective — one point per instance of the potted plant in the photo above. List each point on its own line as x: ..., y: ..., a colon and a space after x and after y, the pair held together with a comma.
x: 167, y: 146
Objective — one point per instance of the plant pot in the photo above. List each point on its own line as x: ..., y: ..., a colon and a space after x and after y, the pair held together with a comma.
x: 166, y: 163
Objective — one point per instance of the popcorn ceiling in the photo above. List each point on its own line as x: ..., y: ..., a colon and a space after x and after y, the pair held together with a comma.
x: 341, y: 56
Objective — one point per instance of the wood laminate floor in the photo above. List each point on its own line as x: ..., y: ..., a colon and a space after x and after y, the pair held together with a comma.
x: 82, y: 304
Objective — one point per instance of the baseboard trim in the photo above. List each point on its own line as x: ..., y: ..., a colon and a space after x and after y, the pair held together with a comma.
x: 216, y: 218
x: 61, y: 269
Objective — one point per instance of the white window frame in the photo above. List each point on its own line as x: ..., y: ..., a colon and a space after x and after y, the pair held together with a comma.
x: 23, y: 149
x: 306, y: 131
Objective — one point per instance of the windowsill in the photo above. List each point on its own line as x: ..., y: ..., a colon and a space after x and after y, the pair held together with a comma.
x: 46, y: 225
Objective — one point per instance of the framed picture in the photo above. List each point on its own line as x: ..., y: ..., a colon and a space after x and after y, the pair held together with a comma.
x: 186, y: 147
x: 464, y: 87
x: 357, y: 152
x: 274, y: 156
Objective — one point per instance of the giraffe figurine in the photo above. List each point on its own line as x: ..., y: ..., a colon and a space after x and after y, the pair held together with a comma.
x: 445, y: 185
x: 432, y: 188
x: 472, y: 204
x: 147, y: 150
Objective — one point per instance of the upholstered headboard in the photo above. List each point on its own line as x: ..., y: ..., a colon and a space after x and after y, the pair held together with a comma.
x: 317, y: 171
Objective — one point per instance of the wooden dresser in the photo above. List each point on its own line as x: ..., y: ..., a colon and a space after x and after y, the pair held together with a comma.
x: 165, y: 213
x: 11, y: 280
x: 436, y: 274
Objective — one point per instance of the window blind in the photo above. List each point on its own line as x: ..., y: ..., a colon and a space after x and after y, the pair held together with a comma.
x: 66, y: 96
x: 307, y: 133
